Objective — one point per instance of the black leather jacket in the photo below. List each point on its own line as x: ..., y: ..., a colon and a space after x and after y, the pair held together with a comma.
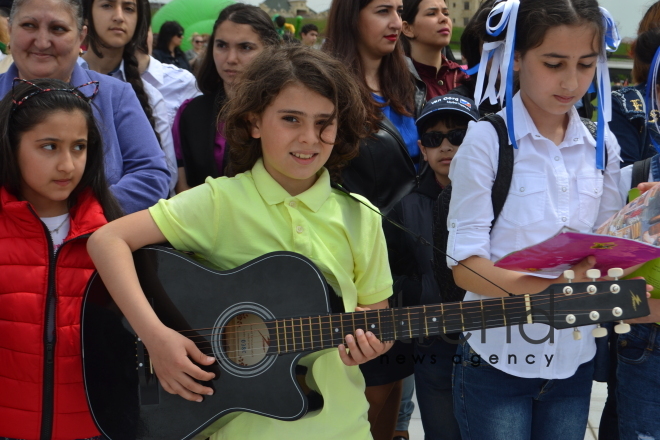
x: 384, y: 172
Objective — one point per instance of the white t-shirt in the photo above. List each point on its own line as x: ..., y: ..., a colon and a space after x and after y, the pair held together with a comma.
x: 58, y: 228
x: 553, y: 186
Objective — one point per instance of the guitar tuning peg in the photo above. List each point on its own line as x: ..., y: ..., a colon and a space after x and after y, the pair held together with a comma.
x: 599, y: 332
x: 576, y: 334
x: 569, y: 275
x: 622, y: 328
x: 615, y: 273
x: 594, y: 274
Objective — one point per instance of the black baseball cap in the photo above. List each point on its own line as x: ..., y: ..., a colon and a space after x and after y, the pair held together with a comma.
x: 448, y: 103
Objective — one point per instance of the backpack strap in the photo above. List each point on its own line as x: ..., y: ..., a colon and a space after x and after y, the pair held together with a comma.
x: 640, y: 172
x: 504, y: 173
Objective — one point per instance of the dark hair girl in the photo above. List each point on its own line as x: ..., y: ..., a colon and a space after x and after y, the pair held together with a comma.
x: 117, y: 30
x: 240, y: 33
x: 427, y: 30
x: 53, y: 194
x: 167, y: 48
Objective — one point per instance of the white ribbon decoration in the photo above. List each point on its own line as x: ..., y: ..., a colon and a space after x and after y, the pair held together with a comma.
x: 502, y: 52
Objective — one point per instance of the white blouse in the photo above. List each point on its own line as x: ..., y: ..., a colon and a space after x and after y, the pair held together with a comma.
x: 553, y: 186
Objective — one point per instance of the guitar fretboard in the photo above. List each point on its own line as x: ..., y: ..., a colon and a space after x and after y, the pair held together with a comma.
x: 310, y: 333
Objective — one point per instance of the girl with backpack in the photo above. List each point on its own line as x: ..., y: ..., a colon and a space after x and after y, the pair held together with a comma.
x: 531, y: 381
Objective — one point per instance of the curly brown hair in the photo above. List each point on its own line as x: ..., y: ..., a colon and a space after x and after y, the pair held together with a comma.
x: 268, y: 74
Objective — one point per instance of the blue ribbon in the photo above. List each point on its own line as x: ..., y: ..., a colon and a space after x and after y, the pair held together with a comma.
x: 475, y: 69
x: 611, y: 43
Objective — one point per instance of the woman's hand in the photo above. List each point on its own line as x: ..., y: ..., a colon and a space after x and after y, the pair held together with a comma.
x: 580, y: 270
x: 172, y: 356
x: 362, y: 347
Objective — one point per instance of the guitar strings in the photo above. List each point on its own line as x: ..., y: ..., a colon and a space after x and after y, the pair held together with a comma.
x: 415, y: 310
x: 313, y: 344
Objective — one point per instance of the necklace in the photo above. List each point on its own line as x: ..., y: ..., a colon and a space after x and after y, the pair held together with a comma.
x: 54, y: 231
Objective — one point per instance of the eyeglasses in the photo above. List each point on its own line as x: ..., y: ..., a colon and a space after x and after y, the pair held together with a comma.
x: 179, y: 35
x: 39, y: 90
x: 198, y: 41
x: 433, y: 139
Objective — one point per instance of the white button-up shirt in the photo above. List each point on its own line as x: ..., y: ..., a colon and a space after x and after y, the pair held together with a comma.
x: 175, y: 84
x: 553, y: 186
x: 161, y: 119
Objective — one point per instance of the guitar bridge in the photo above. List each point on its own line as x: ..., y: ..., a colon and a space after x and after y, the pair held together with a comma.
x: 147, y: 380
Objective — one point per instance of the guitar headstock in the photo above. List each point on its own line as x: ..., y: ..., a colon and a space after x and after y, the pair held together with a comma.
x: 568, y: 305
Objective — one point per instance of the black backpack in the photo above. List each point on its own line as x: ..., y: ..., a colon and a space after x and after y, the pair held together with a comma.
x: 449, y: 291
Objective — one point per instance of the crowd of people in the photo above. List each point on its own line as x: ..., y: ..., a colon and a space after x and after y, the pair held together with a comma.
x: 260, y: 139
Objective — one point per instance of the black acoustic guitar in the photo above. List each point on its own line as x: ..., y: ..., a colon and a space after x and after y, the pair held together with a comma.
x: 258, y: 319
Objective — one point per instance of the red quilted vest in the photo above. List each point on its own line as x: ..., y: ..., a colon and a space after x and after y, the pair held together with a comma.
x: 25, y: 280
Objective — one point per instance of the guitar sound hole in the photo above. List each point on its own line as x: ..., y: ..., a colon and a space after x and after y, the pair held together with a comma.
x: 245, y: 339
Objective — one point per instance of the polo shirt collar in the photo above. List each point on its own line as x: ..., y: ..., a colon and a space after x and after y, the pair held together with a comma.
x: 273, y: 193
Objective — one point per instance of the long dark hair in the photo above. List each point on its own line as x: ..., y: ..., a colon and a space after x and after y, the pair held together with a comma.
x: 342, y: 35
x: 273, y: 70
x: 208, y: 78
x: 130, y: 60
x: 15, y: 120
x: 651, y: 19
x: 167, y: 31
x: 647, y: 44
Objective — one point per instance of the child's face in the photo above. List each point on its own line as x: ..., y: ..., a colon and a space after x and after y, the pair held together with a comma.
x: 556, y: 74
x: 309, y: 39
x: 234, y: 47
x: 439, y: 158
x: 115, y: 21
x: 289, y: 128
x: 51, y: 159
x: 379, y: 27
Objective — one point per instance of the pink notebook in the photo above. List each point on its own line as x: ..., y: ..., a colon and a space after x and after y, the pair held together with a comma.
x: 567, y: 248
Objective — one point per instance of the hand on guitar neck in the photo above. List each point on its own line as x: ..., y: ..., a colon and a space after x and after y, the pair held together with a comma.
x: 368, y: 346
x: 515, y: 282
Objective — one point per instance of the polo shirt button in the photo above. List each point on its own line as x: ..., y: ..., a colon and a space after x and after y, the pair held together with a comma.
x: 441, y: 82
x: 299, y: 229
x: 522, y: 189
x: 563, y: 219
x: 596, y: 190
x: 292, y: 204
x: 556, y: 157
x: 564, y: 189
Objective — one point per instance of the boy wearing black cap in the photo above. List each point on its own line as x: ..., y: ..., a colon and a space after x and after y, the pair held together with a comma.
x: 441, y: 127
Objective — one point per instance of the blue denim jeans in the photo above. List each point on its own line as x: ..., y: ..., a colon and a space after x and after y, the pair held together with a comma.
x: 638, y: 391
x: 433, y: 370
x: 490, y: 404
x: 407, y: 405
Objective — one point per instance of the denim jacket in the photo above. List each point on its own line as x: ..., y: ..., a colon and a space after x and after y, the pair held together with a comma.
x: 628, y: 124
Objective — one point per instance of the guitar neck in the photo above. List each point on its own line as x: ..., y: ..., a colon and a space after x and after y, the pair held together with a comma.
x: 311, y: 333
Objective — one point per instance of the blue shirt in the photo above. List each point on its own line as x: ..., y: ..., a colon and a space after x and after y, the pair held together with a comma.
x: 406, y: 126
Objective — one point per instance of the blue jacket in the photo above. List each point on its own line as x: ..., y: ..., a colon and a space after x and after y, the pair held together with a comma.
x: 135, y: 164
x: 629, y: 124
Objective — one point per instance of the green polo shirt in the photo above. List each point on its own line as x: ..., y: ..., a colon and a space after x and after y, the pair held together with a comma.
x: 230, y: 221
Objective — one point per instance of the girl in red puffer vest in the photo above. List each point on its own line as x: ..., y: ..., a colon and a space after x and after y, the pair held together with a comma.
x: 53, y: 195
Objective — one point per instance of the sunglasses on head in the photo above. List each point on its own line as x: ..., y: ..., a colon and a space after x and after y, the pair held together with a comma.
x: 433, y: 139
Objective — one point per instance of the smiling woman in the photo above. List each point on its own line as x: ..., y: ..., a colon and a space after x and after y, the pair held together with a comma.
x: 45, y: 37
